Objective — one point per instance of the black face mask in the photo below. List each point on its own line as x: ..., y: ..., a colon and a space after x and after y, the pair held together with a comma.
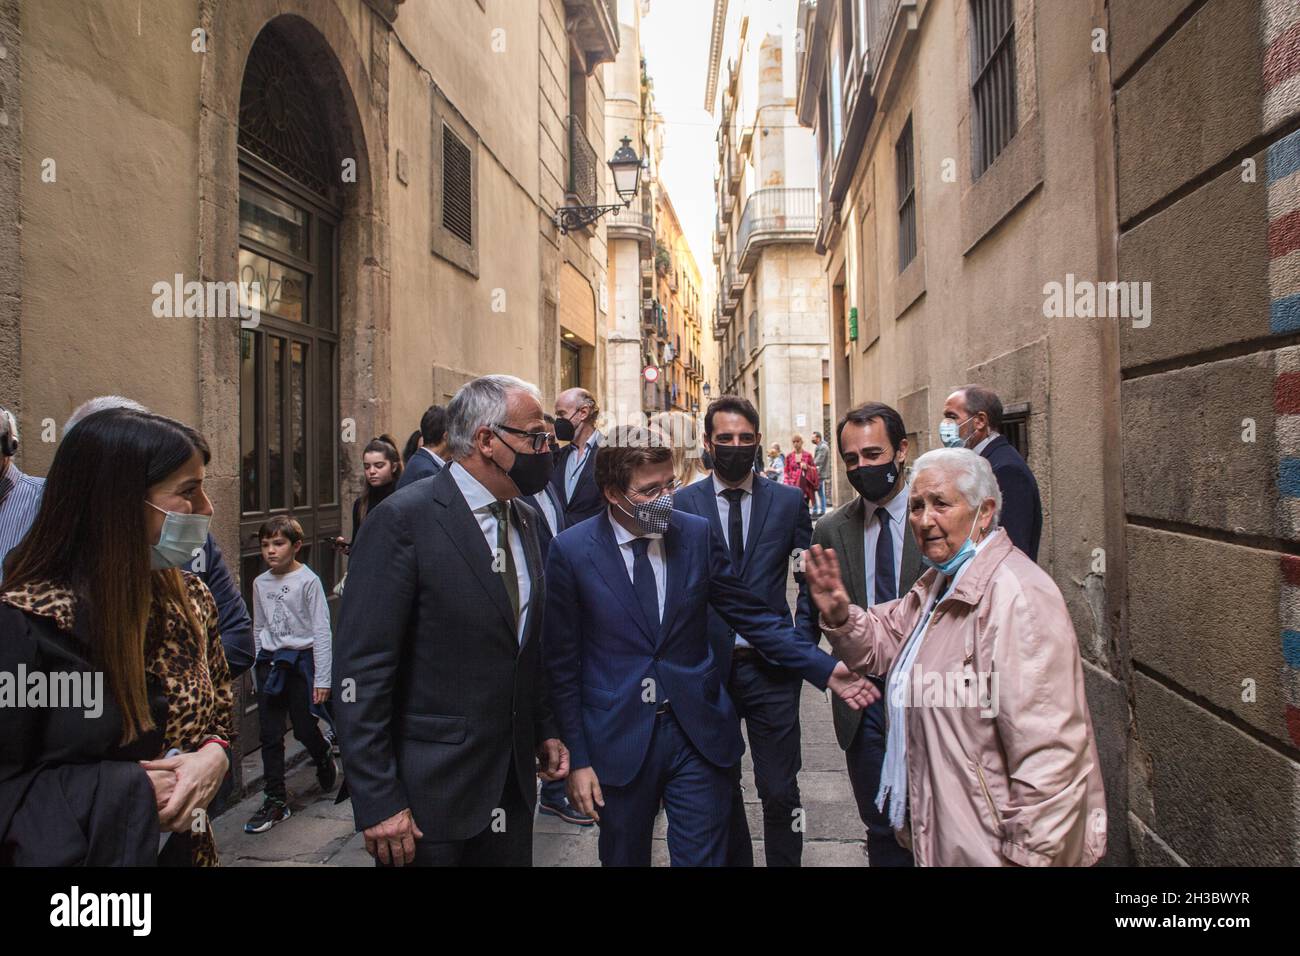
x: 564, y: 429
x: 733, y: 462
x: 874, y: 482
x: 530, y: 473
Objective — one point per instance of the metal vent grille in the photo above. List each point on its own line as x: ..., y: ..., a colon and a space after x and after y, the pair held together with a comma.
x: 457, y: 201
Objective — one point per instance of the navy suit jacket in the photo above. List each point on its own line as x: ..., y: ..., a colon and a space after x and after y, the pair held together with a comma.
x: 587, y: 500
x: 234, y: 625
x: 1022, y: 509
x: 779, y: 526
x: 599, y: 650
x: 420, y: 466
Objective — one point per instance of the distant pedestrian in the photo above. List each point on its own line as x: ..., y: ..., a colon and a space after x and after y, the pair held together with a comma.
x: 822, y: 459
x: 432, y: 456
x: 775, y: 464
x: 972, y: 418
x: 800, y: 470
x: 292, y: 622
x: 382, y: 470
x: 20, y: 494
x: 413, y: 444
x: 683, y: 434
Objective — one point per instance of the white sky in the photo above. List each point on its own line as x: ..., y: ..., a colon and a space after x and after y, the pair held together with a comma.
x: 675, y: 42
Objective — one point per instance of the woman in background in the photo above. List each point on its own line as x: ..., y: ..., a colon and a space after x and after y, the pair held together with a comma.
x: 682, y: 432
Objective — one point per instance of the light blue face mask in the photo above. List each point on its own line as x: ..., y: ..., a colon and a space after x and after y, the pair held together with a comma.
x: 950, y: 433
x: 181, y: 538
x: 964, y: 553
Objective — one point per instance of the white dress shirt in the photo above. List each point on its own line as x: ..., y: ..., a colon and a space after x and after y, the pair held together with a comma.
x: 479, y: 499
x: 979, y: 449
x: 897, y: 510
x: 655, y: 553
x: 548, y: 511
x: 724, y: 513
x: 434, y: 455
x: 573, y: 464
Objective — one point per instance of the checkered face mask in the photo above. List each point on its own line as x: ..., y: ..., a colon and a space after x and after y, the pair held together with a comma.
x: 653, y: 515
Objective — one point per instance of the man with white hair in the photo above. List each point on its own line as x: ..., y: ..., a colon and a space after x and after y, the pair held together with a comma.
x: 20, y: 494
x: 441, y: 705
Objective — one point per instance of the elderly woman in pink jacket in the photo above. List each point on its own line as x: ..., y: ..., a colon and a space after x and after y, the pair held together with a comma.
x: 990, y: 757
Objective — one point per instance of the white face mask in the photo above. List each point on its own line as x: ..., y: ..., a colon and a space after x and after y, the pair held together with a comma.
x: 181, y: 538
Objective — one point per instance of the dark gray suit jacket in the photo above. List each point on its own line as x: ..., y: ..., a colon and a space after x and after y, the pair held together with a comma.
x: 842, y: 530
x: 445, y: 697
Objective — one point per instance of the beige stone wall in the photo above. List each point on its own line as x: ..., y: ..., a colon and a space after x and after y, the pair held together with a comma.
x: 969, y: 307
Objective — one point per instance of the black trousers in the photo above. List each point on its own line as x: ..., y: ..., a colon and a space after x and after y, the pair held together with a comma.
x: 294, y: 705
x: 866, y: 759
x: 767, y: 700
x: 507, y: 840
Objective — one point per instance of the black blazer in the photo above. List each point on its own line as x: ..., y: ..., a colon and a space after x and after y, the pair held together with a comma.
x: 433, y: 694
x: 587, y: 500
x: 779, y: 526
x: 420, y: 466
x: 842, y: 530
x: 70, y: 793
x: 1022, y: 509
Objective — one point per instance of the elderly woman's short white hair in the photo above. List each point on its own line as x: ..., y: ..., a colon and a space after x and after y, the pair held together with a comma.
x: 481, y: 403
x: 971, y: 473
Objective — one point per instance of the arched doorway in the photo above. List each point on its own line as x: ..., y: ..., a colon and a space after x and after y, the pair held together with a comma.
x: 289, y: 216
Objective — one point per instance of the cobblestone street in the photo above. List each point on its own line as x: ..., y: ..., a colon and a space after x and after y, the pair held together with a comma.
x: 320, y: 833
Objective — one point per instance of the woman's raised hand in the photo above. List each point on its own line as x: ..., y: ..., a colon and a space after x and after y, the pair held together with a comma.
x: 825, y: 587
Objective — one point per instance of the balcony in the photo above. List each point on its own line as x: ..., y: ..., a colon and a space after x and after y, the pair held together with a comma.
x: 633, y: 224
x: 775, y: 215
x: 593, y: 25
x: 582, y: 165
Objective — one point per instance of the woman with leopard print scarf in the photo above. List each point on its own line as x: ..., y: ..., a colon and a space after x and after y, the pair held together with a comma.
x: 93, y: 598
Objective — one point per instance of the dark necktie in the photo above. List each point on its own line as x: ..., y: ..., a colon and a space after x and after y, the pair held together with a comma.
x: 886, y: 581
x: 735, y: 525
x: 510, y: 576
x: 643, y: 582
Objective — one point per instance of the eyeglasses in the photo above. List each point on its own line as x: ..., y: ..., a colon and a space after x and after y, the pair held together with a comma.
x: 658, y: 491
x: 541, y: 441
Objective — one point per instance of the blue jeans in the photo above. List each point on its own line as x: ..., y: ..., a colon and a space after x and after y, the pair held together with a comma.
x: 821, y: 496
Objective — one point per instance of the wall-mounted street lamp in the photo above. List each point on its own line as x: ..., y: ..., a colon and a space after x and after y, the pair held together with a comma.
x: 626, y: 167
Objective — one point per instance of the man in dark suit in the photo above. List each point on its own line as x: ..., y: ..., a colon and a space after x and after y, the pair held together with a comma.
x: 428, y: 459
x: 575, y: 466
x: 634, y: 678
x: 763, y: 524
x: 553, y: 800
x: 881, y: 562
x: 437, y: 665
x: 973, y: 419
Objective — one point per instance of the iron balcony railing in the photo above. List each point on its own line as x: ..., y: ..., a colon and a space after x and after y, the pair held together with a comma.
x: 774, y: 214
x: 582, y: 164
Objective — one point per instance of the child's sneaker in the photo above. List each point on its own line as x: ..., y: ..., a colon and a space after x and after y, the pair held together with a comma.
x: 271, y: 812
x: 327, y: 774
x: 332, y: 739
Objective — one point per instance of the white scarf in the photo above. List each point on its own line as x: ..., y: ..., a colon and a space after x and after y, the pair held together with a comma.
x: 893, y: 774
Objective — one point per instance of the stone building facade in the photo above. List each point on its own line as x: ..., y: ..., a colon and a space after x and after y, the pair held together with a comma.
x: 1088, y: 207
x: 369, y: 169
x: 770, y: 315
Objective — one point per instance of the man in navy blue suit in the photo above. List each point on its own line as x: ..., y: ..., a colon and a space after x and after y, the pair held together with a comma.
x: 635, y: 682
x: 429, y: 458
x: 972, y: 418
x: 763, y: 524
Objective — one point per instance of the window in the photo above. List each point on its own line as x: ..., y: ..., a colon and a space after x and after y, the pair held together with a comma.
x: 570, y: 366
x: 453, y: 181
x: 903, y: 159
x: 1015, y: 427
x: 457, y: 209
x: 836, y: 100
x: 993, y: 80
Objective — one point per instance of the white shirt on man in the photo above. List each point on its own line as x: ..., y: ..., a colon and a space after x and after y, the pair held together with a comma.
x: 480, y: 500
x: 724, y: 514
x: 573, y: 464
x: 624, y: 538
